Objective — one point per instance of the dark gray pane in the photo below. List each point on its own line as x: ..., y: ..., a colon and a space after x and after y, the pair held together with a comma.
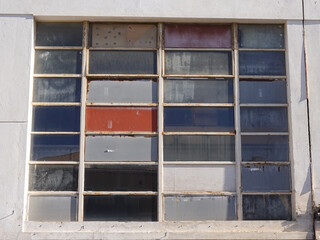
x: 53, y: 178
x: 263, y: 91
x: 198, y: 62
x: 52, y: 208
x: 58, y: 34
x: 264, y: 119
x: 123, y: 62
x: 54, y: 118
x: 266, y: 178
x: 198, y: 91
x: 261, y: 36
x: 58, y: 61
x: 190, y: 119
x: 265, y: 148
x: 120, y: 178
x: 262, y: 63
x: 267, y: 207
x: 198, y: 208
x: 120, y: 208
x: 55, y: 147
x: 57, y: 90
x: 198, y: 148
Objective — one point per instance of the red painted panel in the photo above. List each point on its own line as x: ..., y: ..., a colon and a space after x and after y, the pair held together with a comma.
x: 197, y: 36
x: 121, y: 119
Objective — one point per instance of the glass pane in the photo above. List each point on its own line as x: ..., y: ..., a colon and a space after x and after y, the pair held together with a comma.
x: 52, y: 208
x: 262, y: 63
x: 263, y: 91
x: 261, y: 36
x: 54, y: 118
x: 140, y: 91
x: 266, y: 178
x: 123, y: 62
x: 53, y: 178
x: 267, y: 207
x: 196, y: 119
x: 55, y: 148
x: 265, y: 148
x: 58, y: 34
x: 197, y: 36
x: 198, y: 91
x: 198, y: 148
x: 123, y: 35
x: 198, y: 208
x: 120, y: 178
x: 120, y: 208
x: 57, y: 90
x: 264, y: 119
x: 198, y: 63
x: 58, y: 61
x: 121, y: 148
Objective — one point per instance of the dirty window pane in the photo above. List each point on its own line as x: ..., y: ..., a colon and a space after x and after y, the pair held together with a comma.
x: 57, y: 90
x: 140, y: 91
x: 52, y: 208
x: 261, y: 36
x: 263, y: 91
x: 190, y: 119
x: 264, y: 119
x: 58, y: 61
x: 265, y: 148
x: 197, y: 36
x: 53, y: 178
x: 120, y: 208
x: 54, y: 118
x: 198, y: 91
x: 198, y: 148
x: 123, y: 62
x: 267, y: 207
x: 120, y: 178
x: 105, y: 35
x: 198, y: 62
x: 121, y: 148
x: 197, y: 208
x: 266, y: 178
x: 55, y: 148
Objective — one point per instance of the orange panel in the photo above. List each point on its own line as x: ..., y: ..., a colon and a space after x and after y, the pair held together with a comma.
x: 121, y: 119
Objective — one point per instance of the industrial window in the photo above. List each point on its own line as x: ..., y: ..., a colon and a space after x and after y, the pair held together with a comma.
x: 159, y: 122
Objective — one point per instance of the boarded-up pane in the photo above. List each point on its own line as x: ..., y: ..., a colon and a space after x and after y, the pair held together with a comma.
x: 120, y: 178
x: 267, y: 207
x: 199, y: 178
x: 198, y: 63
x: 265, y: 148
x: 120, y: 208
x: 197, y: 36
x: 141, y: 91
x: 198, y: 91
x: 266, y: 178
x: 123, y: 62
x: 52, y: 208
x: 123, y: 35
x: 198, y: 208
x: 53, y: 178
x: 190, y: 119
x: 264, y: 119
x: 121, y: 148
x: 198, y: 148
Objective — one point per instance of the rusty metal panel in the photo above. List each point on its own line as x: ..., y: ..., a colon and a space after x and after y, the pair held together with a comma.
x: 121, y: 119
x: 199, y: 208
x: 197, y: 36
x: 123, y: 35
x: 140, y: 91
